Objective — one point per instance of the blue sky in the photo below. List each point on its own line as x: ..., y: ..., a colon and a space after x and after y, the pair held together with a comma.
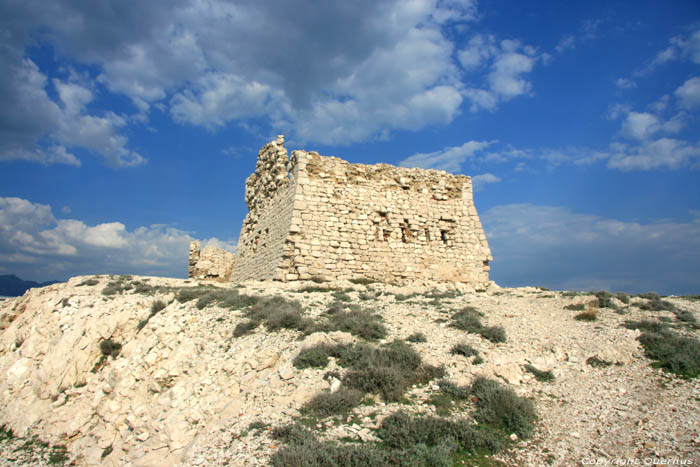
x: 128, y: 128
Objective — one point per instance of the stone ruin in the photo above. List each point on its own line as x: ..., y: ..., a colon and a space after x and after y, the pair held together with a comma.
x: 318, y: 217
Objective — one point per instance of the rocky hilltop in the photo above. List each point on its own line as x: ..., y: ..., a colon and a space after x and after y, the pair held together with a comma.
x: 146, y: 371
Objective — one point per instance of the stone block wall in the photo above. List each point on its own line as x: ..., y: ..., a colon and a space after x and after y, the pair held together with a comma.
x: 210, y: 263
x: 269, y: 193
x: 314, y: 216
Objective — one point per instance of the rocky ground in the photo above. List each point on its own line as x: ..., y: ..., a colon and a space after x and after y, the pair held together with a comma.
x: 174, y: 387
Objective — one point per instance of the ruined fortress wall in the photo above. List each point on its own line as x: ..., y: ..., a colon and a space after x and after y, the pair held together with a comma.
x: 269, y: 193
x: 312, y: 216
x: 383, y: 222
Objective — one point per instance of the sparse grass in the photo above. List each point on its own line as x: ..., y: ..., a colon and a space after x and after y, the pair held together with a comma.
x: 417, y: 337
x: 590, y: 315
x: 540, y: 375
x: 576, y: 307
x: 596, y: 362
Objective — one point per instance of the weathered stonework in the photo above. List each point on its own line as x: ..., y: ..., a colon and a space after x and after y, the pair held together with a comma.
x: 210, y: 263
x: 314, y: 216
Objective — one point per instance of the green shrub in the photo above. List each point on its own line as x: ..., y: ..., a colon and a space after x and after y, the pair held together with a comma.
x: 313, y: 357
x: 109, y: 348
x: 314, y: 289
x: 401, y: 429
x: 685, y: 316
x: 673, y: 352
x: 605, y: 300
x: 540, y: 375
x: 341, y: 296
x: 114, y: 288
x: 649, y: 296
x: 245, y: 327
x: 496, y: 334
x: 89, y: 282
x: 463, y: 349
x: 501, y: 407
x: 575, y: 307
x: 362, y: 281
x: 590, y: 315
x: 417, y: 337
x: 646, y: 325
x: 186, y: 294
x: 388, y: 370
x: 157, y: 306
x: 656, y: 304
x: 623, y: 297
x: 469, y: 319
x: 359, y: 323
x: 596, y: 362
x: 332, y: 403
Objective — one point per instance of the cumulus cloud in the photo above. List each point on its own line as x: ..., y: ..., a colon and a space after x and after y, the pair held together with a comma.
x: 506, y: 61
x: 331, y: 72
x: 449, y: 159
x: 561, y: 249
x: 36, y: 245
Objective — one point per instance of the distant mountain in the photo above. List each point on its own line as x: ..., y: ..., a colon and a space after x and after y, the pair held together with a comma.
x: 13, y: 286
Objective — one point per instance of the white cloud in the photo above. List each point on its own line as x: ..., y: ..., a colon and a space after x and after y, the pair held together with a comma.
x: 639, y: 125
x: 587, y: 32
x: 480, y: 181
x: 661, y: 153
x: 689, y: 93
x: 506, y: 63
x: 30, y: 116
x: 555, y: 247
x: 680, y: 47
x: 36, y: 245
x: 449, y: 159
x: 624, y: 83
